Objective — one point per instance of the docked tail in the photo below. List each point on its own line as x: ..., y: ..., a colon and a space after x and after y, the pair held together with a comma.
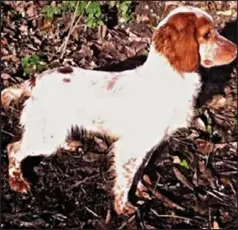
x: 15, y: 92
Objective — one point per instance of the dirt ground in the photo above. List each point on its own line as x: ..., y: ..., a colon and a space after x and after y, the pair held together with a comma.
x: 193, y: 176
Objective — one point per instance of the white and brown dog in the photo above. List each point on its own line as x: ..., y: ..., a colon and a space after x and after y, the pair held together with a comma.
x: 137, y: 108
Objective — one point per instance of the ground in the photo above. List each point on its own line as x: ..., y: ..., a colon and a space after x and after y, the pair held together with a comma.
x: 193, y: 177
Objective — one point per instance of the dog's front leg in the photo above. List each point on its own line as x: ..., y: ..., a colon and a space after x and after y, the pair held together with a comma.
x: 129, y: 155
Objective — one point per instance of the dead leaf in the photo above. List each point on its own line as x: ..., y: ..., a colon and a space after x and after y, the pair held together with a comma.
x: 10, y: 57
x: 215, y: 225
x: 31, y: 11
x: 176, y: 160
x: 217, y: 102
x: 205, y: 177
x: 200, y: 124
x: 4, y: 41
x: 179, y: 175
x: 5, y: 76
x: 102, y: 31
x: 204, y: 147
x: 142, y: 18
x: 225, y: 13
x: 46, y: 25
x: 165, y: 200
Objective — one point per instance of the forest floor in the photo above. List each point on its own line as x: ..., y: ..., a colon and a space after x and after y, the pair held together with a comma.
x: 195, y: 176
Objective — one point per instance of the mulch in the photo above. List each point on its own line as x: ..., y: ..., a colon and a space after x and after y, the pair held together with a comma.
x: 193, y: 177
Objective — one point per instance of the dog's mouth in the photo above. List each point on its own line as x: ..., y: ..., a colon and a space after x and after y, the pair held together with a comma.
x: 207, y: 63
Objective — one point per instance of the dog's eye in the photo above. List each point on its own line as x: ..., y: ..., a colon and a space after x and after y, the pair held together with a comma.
x: 207, y: 35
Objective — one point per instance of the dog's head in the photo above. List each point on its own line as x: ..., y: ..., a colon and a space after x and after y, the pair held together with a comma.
x: 187, y: 37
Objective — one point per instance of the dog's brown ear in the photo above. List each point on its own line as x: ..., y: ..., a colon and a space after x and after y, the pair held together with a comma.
x: 177, y: 40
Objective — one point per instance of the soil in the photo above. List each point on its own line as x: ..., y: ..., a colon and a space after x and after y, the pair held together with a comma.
x: 193, y: 176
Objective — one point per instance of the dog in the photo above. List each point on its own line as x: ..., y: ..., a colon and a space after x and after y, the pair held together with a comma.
x: 137, y: 108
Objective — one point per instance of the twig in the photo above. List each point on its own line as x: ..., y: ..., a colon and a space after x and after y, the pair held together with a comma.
x: 92, y: 212
x: 64, y: 45
x: 164, y: 199
x: 172, y: 216
x: 72, y: 28
x: 183, y: 179
x: 232, y: 188
x: 228, y: 173
x: 129, y: 220
x: 220, y: 193
x: 215, y: 196
x: 8, y: 133
x: 81, y: 182
x: 108, y: 217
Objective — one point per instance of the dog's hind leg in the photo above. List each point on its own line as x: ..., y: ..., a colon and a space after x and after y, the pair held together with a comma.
x: 33, y: 143
x: 15, y: 92
x: 42, y: 135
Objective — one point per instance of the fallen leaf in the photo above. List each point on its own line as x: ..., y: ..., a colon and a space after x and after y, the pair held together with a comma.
x: 5, y: 76
x: 225, y: 13
x: 184, y: 164
x: 102, y: 31
x: 204, y: 147
x: 46, y: 25
x: 31, y: 11
x: 215, y: 225
x: 217, y: 102
x: 200, y: 124
x: 179, y: 175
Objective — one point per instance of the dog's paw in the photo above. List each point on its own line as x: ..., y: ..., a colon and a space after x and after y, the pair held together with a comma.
x: 18, y: 184
x: 123, y: 207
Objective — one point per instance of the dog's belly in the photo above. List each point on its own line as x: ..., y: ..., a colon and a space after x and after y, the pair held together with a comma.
x: 125, y: 118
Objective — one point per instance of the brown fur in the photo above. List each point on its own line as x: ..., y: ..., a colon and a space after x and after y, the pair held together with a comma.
x: 225, y: 51
x: 177, y: 41
x: 112, y: 82
x: 32, y: 82
x: 16, y: 179
x: 66, y: 80
x: 65, y: 70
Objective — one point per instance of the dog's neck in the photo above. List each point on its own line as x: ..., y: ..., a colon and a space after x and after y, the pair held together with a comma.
x: 157, y: 65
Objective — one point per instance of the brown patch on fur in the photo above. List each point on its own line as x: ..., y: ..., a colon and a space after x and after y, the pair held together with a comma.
x: 17, y: 183
x: 112, y: 82
x: 119, y: 206
x: 5, y: 100
x: 9, y: 95
x: 65, y: 70
x: 125, y: 209
x: 72, y: 146
x: 177, y: 40
x: 226, y: 51
x: 12, y: 148
x: 66, y: 80
x: 16, y: 180
x: 32, y: 82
